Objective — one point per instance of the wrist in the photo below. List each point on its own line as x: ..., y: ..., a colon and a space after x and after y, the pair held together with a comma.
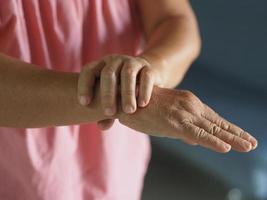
x: 159, y: 65
x: 122, y: 116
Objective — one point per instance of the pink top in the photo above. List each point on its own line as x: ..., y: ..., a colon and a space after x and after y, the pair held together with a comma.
x: 76, y: 162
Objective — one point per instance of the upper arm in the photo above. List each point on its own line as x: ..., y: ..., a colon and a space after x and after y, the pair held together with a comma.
x: 154, y: 12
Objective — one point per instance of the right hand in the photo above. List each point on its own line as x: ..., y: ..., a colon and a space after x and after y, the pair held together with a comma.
x: 118, y: 73
x: 180, y: 114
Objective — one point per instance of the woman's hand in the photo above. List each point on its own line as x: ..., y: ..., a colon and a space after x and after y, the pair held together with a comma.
x: 180, y: 114
x: 133, y: 77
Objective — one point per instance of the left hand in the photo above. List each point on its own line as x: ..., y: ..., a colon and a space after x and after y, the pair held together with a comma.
x: 131, y: 75
x: 179, y: 114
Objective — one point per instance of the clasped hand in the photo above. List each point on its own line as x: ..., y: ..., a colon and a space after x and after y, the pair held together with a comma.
x: 162, y: 112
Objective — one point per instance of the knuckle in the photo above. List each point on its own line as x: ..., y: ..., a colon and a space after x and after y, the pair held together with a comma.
x: 185, y: 122
x: 108, y: 72
x: 233, y: 139
x: 128, y: 74
x: 131, y: 62
x: 200, y: 133
x: 146, y: 69
x: 215, y: 130
x: 128, y: 92
x: 241, y: 133
x: 146, y: 72
x: 220, y: 122
x: 188, y: 94
x: 225, y: 125
x: 130, y: 71
x: 143, y: 61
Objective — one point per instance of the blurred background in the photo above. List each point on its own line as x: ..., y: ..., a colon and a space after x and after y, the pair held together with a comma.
x: 231, y: 77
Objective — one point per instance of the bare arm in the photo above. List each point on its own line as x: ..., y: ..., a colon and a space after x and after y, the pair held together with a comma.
x: 172, y: 36
x: 173, y: 42
x: 32, y: 97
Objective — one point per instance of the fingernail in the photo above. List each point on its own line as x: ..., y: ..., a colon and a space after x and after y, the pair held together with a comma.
x: 248, y: 146
x: 255, y: 145
x: 129, y: 109
x: 109, y: 111
x: 227, y: 147
x: 142, y: 103
x: 84, y: 100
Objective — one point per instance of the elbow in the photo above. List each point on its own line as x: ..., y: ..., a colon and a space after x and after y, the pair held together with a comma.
x: 192, y: 43
x: 193, y: 32
x: 198, y: 46
x: 192, y: 50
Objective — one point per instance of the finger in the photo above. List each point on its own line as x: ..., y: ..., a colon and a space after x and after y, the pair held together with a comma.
x: 129, y: 73
x: 108, y: 85
x: 203, y: 138
x: 212, y: 116
x: 86, y: 81
x: 105, y: 124
x: 189, y: 142
x: 146, y: 86
x: 236, y: 142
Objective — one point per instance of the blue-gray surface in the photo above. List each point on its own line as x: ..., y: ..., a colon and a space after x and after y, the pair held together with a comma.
x: 234, y: 37
x: 231, y: 77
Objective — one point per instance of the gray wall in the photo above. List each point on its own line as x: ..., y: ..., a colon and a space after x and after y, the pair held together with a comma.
x: 234, y: 35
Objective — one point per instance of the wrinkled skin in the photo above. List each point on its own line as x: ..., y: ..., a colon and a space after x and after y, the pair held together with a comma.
x: 180, y: 114
x: 118, y: 72
x: 166, y: 112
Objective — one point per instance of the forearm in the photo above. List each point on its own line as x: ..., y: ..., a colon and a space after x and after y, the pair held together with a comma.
x: 172, y: 47
x: 31, y: 97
